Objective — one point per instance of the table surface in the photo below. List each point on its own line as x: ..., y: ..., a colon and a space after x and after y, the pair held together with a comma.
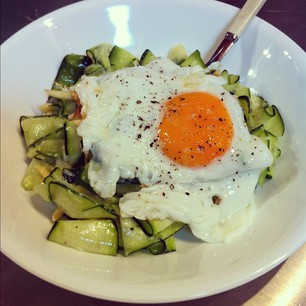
x: 284, y: 285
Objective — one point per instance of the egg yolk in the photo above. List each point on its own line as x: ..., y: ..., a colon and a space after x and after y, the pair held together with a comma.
x: 196, y: 128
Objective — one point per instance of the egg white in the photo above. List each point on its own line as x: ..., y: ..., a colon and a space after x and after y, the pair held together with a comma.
x: 193, y: 204
x: 123, y: 110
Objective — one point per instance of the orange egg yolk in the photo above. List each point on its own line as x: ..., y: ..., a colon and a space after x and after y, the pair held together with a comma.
x: 196, y: 129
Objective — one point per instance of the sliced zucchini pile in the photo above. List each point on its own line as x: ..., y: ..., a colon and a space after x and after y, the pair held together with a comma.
x: 58, y: 168
x: 263, y: 120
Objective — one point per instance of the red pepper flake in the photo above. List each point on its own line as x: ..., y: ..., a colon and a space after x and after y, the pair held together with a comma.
x: 78, y: 110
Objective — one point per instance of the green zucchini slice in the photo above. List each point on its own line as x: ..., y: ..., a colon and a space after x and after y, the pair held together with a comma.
x: 79, y: 206
x: 94, y: 236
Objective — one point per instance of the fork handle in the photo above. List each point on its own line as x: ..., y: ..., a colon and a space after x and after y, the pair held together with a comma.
x: 245, y: 15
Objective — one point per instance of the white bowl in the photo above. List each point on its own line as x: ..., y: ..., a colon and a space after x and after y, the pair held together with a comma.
x: 267, y: 61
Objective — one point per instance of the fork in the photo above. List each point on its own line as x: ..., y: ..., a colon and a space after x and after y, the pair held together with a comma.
x: 238, y: 25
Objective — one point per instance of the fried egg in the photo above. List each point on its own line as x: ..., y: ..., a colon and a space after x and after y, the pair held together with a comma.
x: 183, y: 136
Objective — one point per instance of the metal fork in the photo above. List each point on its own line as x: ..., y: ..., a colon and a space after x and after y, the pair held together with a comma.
x: 244, y: 17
